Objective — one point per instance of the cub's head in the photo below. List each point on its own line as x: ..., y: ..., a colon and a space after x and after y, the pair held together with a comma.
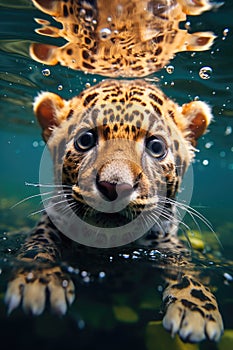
x: 120, y: 150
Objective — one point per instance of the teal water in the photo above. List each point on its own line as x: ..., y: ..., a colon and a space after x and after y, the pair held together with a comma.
x: 96, y: 321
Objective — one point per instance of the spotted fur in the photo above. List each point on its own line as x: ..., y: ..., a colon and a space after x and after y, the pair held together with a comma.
x: 119, y: 120
x: 119, y: 38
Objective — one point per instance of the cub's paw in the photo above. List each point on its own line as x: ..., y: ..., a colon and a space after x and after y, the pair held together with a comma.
x: 191, y: 311
x: 34, y: 288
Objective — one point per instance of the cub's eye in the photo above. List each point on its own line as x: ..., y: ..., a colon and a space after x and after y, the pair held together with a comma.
x: 156, y: 147
x: 85, y: 141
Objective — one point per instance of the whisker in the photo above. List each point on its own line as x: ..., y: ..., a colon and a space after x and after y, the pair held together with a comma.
x: 168, y: 216
x: 193, y: 213
x: 30, y: 197
x: 47, y: 185
x: 49, y: 207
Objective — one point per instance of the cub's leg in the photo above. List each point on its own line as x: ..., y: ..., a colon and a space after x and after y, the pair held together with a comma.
x: 191, y: 310
x: 40, y: 278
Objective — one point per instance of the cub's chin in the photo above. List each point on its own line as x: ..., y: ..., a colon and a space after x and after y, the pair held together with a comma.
x: 106, y: 219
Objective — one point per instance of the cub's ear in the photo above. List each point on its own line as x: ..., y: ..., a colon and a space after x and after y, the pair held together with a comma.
x: 198, y: 115
x: 50, y: 110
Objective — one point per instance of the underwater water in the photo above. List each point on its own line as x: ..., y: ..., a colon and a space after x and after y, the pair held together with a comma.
x: 118, y: 300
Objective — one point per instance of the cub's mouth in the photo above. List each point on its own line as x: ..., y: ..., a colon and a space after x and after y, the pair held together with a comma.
x: 110, y: 218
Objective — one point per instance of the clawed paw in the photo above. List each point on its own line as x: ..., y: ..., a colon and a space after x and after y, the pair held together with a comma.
x: 34, y: 289
x: 191, y: 312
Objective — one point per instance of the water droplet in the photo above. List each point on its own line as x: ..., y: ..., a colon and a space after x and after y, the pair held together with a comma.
x: 87, y: 85
x: 187, y: 25
x: 205, y: 72
x: 86, y: 279
x: 46, y: 72
x: 225, y: 31
x: 170, y: 69
x: 105, y: 33
x: 84, y: 273
x: 205, y: 162
x: 81, y: 324
x: 160, y: 289
x: 65, y: 283
x: 60, y: 87
x: 70, y: 269
x: 82, y: 12
x: 102, y: 274
x: 126, y: 256
x: 228, y: 277
x: 30, y: 276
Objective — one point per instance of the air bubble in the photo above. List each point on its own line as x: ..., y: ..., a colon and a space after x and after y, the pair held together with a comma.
x: 205, y: 73
x: 105, y: 33
x: 46, y: 72
x: 35, y: 144
x: 170, y: 69
x: 205, y: 162
x: 222, y: 154
x: 87, y: 85
x: 209, y: 144
x: 228, y: 130
x: 60, y: 87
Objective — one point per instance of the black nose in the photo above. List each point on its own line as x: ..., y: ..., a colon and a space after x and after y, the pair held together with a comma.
x: 113, y: 191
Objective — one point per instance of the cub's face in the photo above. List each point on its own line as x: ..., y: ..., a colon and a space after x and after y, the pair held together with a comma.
x: 120, y: 149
